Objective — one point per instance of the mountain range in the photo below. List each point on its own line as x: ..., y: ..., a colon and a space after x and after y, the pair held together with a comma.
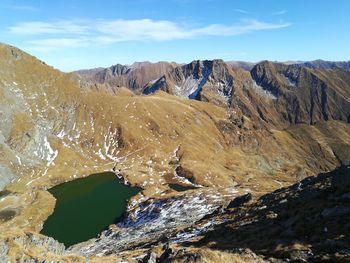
x: 295, y: 93
x: 248, y: 138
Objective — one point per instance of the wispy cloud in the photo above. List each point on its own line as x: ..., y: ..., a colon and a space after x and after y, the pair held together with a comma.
x: 242, y: 11
x: 47, y: 36
x: 40, y: 28
x: 280, y: 12
x: 51, y: 44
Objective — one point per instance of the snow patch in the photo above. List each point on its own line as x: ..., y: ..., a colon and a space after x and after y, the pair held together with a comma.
x: 19, y: 160
x: 289, y: 81
x: 267, y: 94
x: 191, y: 86
x: 61, y: 134
x: 44, y: 150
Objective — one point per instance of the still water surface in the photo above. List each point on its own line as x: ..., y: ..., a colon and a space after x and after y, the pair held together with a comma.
x: 86, y: 206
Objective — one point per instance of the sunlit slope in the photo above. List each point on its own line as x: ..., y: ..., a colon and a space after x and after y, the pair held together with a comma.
x: 53, y: 129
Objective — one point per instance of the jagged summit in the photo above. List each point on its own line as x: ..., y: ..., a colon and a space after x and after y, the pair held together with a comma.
x: 189, y: 80
x: 209, y: 80
x: 134, y: 76
x: 293, y: 93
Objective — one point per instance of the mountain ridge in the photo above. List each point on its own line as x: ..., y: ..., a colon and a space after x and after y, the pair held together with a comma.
x: 247, y: 65
x: 230, y: 140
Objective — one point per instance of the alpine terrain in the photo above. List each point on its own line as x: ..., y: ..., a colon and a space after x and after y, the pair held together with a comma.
x: 234, y: 161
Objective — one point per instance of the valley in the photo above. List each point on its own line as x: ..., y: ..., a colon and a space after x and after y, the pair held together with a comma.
x: 205, y: 142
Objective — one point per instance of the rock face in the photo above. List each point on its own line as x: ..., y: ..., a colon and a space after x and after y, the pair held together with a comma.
x: 274, y: 93
x: 305, y: 95
x: 35, y: 248
x: 240, y: 132
x: 189, y: 81
x: 35, y: 101
x: 310, y: 222
x: 154, y: 220
x: 134, y: 77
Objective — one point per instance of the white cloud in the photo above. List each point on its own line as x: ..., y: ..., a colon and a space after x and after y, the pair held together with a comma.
x: 39, y: 28
x: 143, y: 29
x: 51, y: 44
x: 247, y: 27
x: 242, y: 11
x: 49, y: 36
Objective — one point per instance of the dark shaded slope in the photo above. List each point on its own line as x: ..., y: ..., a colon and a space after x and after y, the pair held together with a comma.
x: 307, y: 221
x: 306, y: 95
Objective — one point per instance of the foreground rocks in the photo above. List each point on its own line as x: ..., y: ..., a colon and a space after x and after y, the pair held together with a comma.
x: 308, y: 221
x: 154, y: 221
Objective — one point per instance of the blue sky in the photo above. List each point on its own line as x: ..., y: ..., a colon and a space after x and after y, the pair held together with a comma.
x: 78, y: 34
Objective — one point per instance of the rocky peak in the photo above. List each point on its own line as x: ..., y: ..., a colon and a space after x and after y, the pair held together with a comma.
x: 187, y: 81
x: 119, y: 69
x: 134, y: 77
x: 113, y: 71
x: 269, y: 76
x: 198, y: 67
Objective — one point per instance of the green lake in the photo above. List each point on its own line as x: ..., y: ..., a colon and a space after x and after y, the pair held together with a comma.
x: 86, y: 206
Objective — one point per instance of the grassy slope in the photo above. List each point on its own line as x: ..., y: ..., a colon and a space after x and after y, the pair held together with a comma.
x: 213, y: 151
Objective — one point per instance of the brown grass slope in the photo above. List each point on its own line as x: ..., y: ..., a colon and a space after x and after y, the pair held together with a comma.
x: 54, y: 129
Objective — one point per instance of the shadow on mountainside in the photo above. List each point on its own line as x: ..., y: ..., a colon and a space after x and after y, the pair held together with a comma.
x: 306, y: 221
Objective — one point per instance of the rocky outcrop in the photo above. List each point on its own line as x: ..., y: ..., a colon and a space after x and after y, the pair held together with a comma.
x: 188, y: 81
x: 32, y: 247
x: 133, y: 77
x: 307, y: 221
x: 154, y: 220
